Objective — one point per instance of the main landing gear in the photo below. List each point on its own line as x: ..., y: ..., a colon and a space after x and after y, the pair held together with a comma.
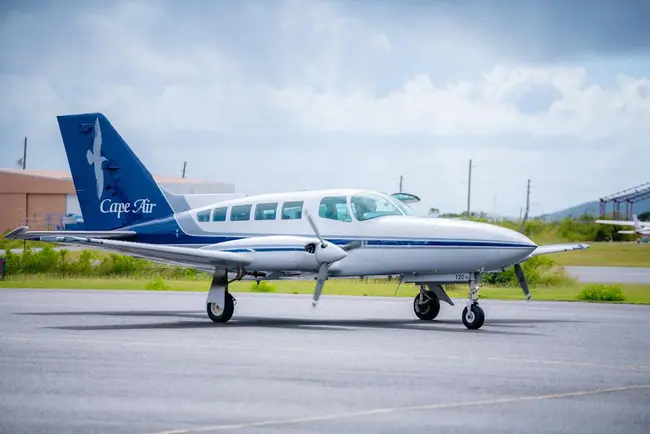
x: 220, y: 303
x: 426, y: 304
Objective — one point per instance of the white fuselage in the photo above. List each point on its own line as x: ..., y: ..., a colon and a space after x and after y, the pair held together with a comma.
x: 391, y: 244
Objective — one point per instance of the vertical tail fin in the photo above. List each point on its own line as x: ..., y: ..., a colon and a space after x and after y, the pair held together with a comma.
x: 637, y: 224
x: 114, y: 187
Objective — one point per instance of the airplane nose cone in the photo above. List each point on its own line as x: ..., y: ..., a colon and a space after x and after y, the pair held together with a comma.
x: 506, y: 235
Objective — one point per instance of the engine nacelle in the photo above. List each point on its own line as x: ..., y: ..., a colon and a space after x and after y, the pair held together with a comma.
x: 280, y: 252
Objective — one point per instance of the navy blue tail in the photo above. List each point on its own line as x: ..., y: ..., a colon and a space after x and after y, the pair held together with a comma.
x: 114, y: 187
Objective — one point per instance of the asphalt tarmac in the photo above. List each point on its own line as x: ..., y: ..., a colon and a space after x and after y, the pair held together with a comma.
x: 151, y: 362
x: 589, y: 274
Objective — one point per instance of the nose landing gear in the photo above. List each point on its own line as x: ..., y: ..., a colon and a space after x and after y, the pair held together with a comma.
x: 473, y: 315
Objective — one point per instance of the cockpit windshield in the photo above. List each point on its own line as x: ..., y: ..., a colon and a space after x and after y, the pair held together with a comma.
x: 366, y: 206
x: 404, y: 207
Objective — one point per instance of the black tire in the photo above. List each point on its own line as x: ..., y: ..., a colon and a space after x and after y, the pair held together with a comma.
x: 227, y: 312
x: 476, y: 319
x: 428, y: 311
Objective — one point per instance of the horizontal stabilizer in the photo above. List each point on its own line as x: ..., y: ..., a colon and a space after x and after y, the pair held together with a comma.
x: 23, y: 233
x: 627, y: 232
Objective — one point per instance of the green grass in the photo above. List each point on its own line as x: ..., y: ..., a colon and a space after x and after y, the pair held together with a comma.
x: 607, y: 254
x: 634, y: 294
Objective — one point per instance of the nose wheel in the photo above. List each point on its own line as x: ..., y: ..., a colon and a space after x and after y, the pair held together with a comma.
x: 473, y: 315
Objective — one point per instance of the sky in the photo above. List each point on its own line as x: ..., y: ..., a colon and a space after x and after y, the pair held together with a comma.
x: 304, y: 94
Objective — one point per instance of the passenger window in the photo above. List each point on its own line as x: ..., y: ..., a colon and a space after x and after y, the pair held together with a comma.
x: 335, y: 208
x: 203, y: 216
x: 219, y: 214
x: 240, y: 212
x: 265, y: 211
x: 292, y: 210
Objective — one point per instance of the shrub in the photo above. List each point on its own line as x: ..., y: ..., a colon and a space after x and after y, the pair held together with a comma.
x: 539, y: 271
x: 262, y: 286
x: 158, y: 284
x: 601, y: 292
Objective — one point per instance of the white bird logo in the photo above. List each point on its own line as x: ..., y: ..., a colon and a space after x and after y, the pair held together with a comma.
x: 95, y: 157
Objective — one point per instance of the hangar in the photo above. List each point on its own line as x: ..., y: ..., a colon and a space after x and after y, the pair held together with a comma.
x: 46, y: 199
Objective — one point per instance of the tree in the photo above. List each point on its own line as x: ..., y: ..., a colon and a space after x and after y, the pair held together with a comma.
x: 434, y: 212
x: 644, y: 216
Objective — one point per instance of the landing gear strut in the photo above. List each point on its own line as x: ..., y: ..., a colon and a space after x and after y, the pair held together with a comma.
x: 473, y: 315
x: 220, y: 303
x: 426, y: 304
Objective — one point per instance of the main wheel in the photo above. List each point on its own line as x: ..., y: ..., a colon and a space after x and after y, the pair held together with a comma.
x: 429, y: 310
x: 474, y: 318
x: 222, y: 314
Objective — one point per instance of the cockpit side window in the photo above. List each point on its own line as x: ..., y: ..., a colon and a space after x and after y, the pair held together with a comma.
x: 366, y: 206
x: 335, y: 208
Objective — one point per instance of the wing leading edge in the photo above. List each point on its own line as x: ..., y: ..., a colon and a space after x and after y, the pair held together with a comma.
x: 23, y: 233
x: 183, y: 256
x: 557, y: 248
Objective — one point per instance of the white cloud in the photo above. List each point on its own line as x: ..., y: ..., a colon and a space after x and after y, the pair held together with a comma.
x: 323, y: 79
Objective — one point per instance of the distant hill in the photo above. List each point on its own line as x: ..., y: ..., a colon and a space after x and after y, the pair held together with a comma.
x: 593, y: 208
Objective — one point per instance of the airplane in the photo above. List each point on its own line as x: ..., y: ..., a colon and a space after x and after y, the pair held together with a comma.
x: 317, y: 234
x: 640, y: 228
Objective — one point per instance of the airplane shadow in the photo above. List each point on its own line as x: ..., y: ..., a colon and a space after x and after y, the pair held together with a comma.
x: 198, y: 320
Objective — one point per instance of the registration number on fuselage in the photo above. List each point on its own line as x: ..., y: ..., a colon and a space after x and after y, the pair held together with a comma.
x: 462, y: 277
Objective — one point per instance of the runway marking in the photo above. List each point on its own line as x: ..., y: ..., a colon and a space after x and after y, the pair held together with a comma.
x: 378, y: 411
x: 276, y: 349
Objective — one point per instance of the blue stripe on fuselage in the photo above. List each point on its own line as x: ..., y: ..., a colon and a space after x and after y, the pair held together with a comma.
x: 168, y: 232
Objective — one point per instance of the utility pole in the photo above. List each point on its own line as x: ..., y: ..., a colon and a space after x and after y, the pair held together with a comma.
x: 26, y: 195
x: 401, y: 180
x: 184, y: 167
x: 25, y: 154
x: 523, y: 221
x: 528, y: 198
x: 469, y: 188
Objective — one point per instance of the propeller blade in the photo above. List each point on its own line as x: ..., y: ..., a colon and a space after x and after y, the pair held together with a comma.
x: 320, y: 282
x: 315, y: 229
x: 522, y: 280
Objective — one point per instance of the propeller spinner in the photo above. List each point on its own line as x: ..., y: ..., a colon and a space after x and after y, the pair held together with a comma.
x: 326, y: 254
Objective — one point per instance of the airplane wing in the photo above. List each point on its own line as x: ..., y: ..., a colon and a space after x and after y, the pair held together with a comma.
x: 201, y: 259
x: 23, y: 233
x: 616, y: 222
x: 556, y: 248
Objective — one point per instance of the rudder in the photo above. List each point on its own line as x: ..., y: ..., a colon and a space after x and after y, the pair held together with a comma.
x: 113, y: 186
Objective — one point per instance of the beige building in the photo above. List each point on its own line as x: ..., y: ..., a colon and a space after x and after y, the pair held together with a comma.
x: 42, y: 199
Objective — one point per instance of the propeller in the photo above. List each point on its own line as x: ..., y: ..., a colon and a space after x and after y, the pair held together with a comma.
x: 519, y: 272
x: 326, y: 254
x: 522, y: 280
